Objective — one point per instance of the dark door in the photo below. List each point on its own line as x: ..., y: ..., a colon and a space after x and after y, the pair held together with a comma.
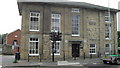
x: 75, y: 50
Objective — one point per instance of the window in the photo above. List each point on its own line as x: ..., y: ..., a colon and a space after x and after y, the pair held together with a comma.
x: 33, y: 46
x: 34, y: 21
x: 107, y: 48
x: 92, y: 49
x: 108, y: 31
x: 107, y: 17
x: 75, y: 25
x: 16, y: 36
x: 55, y: 22
x: 75, y: 10
x: 57, y: 48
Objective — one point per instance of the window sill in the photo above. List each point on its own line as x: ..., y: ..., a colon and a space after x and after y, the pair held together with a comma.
x: 92, y: 53
x: 33, y: 54
x: 75, y: 35
x: 56, y: 54
x: 34, y: 30
x: 108, y: 38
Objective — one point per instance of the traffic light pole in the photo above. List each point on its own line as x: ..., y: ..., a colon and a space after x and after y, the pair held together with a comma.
x: 53, y: 50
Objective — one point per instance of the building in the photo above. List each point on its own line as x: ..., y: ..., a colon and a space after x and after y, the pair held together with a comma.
x: 119, y: 16
x: 13, y: 40
x: 87, y: 29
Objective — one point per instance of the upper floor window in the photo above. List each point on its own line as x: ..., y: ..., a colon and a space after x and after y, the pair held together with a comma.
x: 107, y: 17
x: 34, y: 21
x: 75, y: 10
x: 107, y: 30
x: 75, y: 25
x: 55, y: 22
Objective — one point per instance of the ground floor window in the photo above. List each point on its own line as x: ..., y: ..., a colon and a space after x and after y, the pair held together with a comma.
x: 92, y: 48
x: 33, y: 46
x: 56, y: 48
x: 107, y: 48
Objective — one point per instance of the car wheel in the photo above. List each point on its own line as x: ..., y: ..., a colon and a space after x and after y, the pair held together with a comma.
x: 118, y: 61
x: 105, y: 62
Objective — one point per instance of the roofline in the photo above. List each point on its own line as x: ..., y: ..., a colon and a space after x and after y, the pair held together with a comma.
x: 13, y: 31
x: 68, y: 3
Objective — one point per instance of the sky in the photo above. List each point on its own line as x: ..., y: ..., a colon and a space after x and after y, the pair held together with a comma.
x: 10, y: 20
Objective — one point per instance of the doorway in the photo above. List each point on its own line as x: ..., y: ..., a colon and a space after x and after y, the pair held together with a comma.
x: 75, y: 50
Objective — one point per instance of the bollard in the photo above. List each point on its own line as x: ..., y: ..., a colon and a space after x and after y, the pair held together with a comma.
x: 84, y: 55
x: 91, y: 56
x: 28, y: 57
x: 40, y: 57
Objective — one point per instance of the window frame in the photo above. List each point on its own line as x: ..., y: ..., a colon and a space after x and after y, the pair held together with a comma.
x: 30, y: 22
x: 53, y: 23
x: 107, y: 17
x: 109, y: 51
x: 55, y: 47
x: 33, y: 54
x: 92, y: 48
x: 75, y: 10
x: 108, y: 31
x: 75, y: 24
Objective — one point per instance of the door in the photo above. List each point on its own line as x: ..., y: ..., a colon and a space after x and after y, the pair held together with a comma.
x: 75, y: 50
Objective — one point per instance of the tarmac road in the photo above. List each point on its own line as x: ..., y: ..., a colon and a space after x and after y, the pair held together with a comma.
x: 71, y: 66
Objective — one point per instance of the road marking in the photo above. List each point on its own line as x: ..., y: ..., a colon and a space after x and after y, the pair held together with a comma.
x: 94, y: 63
x: 36, y: 63
x: 62, y: 62
x: 85, y: 63
x: 68, y: 63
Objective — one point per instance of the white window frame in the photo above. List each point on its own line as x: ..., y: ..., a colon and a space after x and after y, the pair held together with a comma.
x: 108, y: 31
x: 33, y: 54
x: 92, y: 48
x: 107, y: 17
x: 55, y: 49
x: 109, y: 51
x: 55, y: 22
x: 75, y: 10
x: 31, y: 28
x: 74, y: 23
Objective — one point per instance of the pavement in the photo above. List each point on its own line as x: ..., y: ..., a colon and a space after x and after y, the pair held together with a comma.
x: 71, y: 62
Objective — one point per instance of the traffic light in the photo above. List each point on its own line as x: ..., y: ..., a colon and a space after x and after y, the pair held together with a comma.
x: 51, y: 34
x: 55, y: 36
x: 59, y: 36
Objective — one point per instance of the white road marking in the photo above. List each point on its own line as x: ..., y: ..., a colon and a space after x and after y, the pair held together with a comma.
x: 68, y: 63
x: 94, y: 63
x: 36, y: 64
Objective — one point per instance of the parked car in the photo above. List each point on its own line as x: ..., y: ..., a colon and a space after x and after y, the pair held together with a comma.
x: 111, y: 59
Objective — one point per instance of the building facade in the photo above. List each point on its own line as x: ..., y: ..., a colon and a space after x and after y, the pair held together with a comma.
x: 13, y: 41
x: 119, y: 16
x: 86, y: 29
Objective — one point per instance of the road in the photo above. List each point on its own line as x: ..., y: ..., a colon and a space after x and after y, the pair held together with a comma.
x: 9, y: 60
x: 73, y: 66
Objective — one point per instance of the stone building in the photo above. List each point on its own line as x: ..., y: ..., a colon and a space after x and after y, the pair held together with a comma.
x: 119, y: 16
x: 87, y: 29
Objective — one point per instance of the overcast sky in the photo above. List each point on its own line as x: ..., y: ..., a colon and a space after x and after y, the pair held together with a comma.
x: 10, y: 19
